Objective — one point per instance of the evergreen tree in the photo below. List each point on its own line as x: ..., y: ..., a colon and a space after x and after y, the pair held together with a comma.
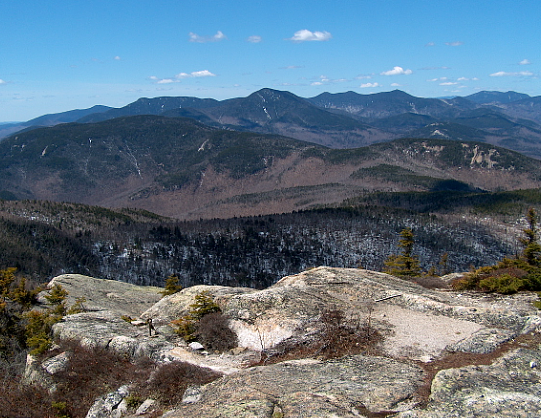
x: 171, y: 286
x: 7, y: 277
x: 532, y: 248
x: 404, y: 264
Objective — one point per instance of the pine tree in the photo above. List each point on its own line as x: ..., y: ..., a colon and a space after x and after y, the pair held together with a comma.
x: 7, y: 277
x: 171, y: 286
x: 404, y: 264
x: 532, y: 248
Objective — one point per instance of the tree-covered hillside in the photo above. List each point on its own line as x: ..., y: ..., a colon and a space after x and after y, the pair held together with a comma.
x: 44, y: 239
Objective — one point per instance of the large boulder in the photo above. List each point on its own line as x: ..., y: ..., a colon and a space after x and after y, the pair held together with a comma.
x: 310, y: 388
x: 107, y: 329
x: 418, y: 323
x: 110, y: 295
x: 509, y: 387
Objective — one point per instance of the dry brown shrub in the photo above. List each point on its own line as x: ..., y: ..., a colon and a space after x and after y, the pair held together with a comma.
x: 92, y: 372
x: 214, y: 333
x: 169, y: 382
x: 340, y: 336
x: 432, y: 282
x: 24, y: 401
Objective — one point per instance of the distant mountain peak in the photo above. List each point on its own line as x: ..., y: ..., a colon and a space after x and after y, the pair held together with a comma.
x: 496, y: 97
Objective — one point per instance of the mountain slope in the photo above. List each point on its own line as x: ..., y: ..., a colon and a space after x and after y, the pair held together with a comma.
x: 153, y: 106
x: 496, y: 97
x: 350, y: 120
x: 283, y: 113
x: 180, y: 168
x: 384, y: 105
x: 51, y: 119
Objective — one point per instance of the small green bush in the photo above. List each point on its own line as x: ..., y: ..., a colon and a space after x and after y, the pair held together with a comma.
x: 504, y: 284
x: 133, y: 401
x: 203, y: 305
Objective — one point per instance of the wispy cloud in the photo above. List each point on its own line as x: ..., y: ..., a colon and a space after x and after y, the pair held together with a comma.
x: 2, y: 82
x: 181, y: 76
x: 448, y: 83
x: 323, y: 79
x: 430, y: 44
x: 512, y: 74
x: 396, y: 85
x: 194, y: 37
x: 196, y: 74
x: 117, y: 58
x: 397, y: 71
x: 254, y: 39
x: 306, y: 35
x: 524, y: 62
x: 456, y: 43
x: 369, y: 85
x: 165, y: 81
x: 434, y: 68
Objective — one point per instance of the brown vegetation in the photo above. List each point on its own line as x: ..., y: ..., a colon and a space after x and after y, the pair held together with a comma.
x: 340, y: 336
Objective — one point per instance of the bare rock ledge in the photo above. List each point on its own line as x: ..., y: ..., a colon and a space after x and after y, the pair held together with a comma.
x: 419, y: 326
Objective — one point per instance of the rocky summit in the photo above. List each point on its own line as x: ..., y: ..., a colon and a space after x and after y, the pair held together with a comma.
x: 433, y: 352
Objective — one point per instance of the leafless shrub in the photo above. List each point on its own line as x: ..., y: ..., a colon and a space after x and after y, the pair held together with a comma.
x: 432, y: 282
x: 90, y: 373
x: 22, y: 401
x: 340, y: 336
x: 169, y: 382
x: 214, y: 333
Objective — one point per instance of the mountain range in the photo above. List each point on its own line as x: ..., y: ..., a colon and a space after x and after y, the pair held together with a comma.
x: 182, y: 168
x: 272, y: 151
x: 343, y: 120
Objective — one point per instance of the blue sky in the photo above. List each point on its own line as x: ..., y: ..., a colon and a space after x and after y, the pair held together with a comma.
x: 61, y: 55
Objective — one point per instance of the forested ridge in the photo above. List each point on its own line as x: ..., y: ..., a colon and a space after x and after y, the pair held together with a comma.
x: 44, y: 239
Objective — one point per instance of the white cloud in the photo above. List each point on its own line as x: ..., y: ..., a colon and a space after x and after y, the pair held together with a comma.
x: 438, y: 79
x: 254, y: 39
x: 117, y: 58
x: 396, y: 85
x: 462, y: 79
x: 180, y: 76
x: 515, y: 74
x: 306, y: 35
x: 194, y: 37
x: 430, y: 44
x: 363, y: 77
x: 316, y: 83
x: 2, y: 82
x: 397, y: 71
x: 195, y: 74
x: 456, y: 43
x: 524, y: 62
x: 448, y: 83
x: 203, y: 73
x: 368, y: 85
